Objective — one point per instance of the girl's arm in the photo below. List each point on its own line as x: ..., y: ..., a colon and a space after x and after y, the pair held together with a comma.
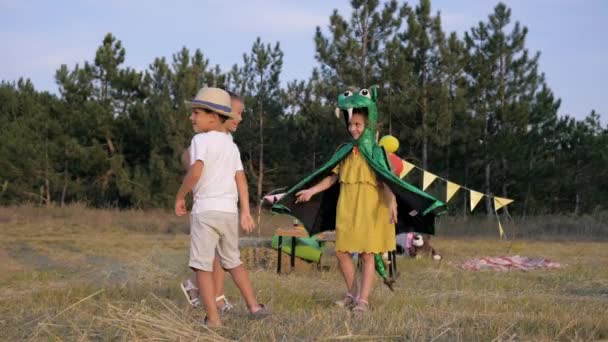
x: 326, y: 183
x: 241, y: 185
x: 186, y: 159
x: 392, y: 202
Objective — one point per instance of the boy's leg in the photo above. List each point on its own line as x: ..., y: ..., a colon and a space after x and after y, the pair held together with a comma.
x: 345, y: 263
x: 207, y: 294
x: 367, y: 276
x: 219, y: 277
x: 228, y: 250
x: 241, y: 279
x: 203, y: 242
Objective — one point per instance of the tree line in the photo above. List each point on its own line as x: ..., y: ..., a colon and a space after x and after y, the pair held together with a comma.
x: 474, y: 109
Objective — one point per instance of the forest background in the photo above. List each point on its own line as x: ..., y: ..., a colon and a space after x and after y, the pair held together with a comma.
x: 474, y: 109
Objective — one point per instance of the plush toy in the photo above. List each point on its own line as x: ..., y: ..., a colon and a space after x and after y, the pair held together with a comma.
x: 416, y: 245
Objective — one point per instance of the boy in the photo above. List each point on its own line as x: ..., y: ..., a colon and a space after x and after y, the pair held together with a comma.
x: 190, y: 286
x: 215, y: 162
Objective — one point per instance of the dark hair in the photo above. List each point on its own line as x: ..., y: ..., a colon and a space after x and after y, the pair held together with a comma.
x: 362, y: 111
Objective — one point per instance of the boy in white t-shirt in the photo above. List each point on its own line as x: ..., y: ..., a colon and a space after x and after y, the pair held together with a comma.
x: 190, y: 285
x: 215, y: 161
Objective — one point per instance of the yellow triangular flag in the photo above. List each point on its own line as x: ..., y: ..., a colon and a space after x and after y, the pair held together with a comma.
x: 427, y: 179
x: 500, y: 202
x: 451, y: 189
x: 500, y: 230
x: 407, y: 167
x: 475, y: 197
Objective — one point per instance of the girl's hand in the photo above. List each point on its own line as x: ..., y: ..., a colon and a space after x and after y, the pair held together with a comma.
x: 393, y: 212
x: 304, y: 195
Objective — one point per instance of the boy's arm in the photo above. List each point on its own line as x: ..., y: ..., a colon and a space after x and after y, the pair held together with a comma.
x: 241, y: 186
x: 193, y: 175
x: 326, y: 183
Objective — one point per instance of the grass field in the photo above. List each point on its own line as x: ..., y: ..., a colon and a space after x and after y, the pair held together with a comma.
x: 81, y: 274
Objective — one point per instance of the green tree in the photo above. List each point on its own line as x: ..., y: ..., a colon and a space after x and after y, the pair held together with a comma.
x: 503, y: 82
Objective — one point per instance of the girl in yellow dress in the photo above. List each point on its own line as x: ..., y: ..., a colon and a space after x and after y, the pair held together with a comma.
x: 365, y: 217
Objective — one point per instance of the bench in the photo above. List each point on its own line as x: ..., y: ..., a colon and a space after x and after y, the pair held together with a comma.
x: 295, y: 232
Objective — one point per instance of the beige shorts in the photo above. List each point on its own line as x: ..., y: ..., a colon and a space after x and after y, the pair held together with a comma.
x: 212, y: 231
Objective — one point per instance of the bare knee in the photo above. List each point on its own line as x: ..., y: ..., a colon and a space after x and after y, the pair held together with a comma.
x: 367, y: 257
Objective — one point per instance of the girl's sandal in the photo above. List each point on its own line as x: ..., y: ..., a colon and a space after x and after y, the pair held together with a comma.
x: 361, y: 307
x: 187, y: 287
x: 348, y: 302
x: 223, y: 309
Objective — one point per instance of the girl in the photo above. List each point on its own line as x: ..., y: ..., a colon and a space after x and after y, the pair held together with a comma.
x: 366, y: 214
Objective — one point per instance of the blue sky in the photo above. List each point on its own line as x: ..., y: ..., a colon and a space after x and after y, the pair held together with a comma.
x: 38, y: 36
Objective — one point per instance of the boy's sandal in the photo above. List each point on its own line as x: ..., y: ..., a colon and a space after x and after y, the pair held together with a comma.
x: 206, y: 323
x: 347, y: 302
x: 361, y: 307
x: 186, y: 288
x: 261, y: 313
x: 226, y: 307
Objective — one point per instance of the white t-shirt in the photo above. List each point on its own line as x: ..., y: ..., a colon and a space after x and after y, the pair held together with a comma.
x: 216, y: 189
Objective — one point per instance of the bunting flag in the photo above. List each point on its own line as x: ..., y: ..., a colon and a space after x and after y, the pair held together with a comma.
x: 427, y: 179
x: 407, y: 167
x: 500, y: 202
x: 501, y: 231
x: 475, y: 198
x: 451, y: 189
x: 403, y: 168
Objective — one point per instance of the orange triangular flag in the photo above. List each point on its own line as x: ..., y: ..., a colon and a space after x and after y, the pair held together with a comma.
x: 475, y: 198
x: 407, y: 167
x: 500, y: 202
x: 427, y: 179
x: 451, y: 189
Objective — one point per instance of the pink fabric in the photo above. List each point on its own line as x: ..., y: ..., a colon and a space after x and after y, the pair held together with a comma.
x: 506, y: 263
x: 408, y: 241
x: 272, y: 199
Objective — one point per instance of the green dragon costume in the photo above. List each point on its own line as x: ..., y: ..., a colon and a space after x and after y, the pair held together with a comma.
x: 416, y: 209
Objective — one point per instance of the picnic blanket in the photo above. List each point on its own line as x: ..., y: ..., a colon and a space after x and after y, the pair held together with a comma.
x: 507, y: 263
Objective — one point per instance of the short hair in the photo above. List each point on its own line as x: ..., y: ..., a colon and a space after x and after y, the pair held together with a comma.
x: 233, y: 95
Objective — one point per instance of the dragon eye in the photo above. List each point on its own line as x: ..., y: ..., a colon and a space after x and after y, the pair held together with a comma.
x: 347, y: 93
x: 365, y: 92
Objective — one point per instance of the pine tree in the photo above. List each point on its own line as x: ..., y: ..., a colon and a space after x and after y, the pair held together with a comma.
x: 503, y: 81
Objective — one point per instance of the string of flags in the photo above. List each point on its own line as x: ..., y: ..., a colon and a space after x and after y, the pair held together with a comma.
x: 402, y: 168
x: 452, y: 188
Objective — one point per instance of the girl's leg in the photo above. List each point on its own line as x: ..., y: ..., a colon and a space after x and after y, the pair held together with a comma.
x: 367, y: 276
x: 345, y: 262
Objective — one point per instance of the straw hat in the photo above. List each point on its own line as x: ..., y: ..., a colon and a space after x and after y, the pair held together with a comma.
x: 214, y: 99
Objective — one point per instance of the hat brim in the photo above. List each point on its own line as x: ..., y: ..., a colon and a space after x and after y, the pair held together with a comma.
x: 221, y: 110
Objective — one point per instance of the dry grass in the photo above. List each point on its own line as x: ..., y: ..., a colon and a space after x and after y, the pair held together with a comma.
x: 80, y: 274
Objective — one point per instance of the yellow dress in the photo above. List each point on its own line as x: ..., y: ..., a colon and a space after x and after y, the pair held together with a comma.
x: 362, y: 216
